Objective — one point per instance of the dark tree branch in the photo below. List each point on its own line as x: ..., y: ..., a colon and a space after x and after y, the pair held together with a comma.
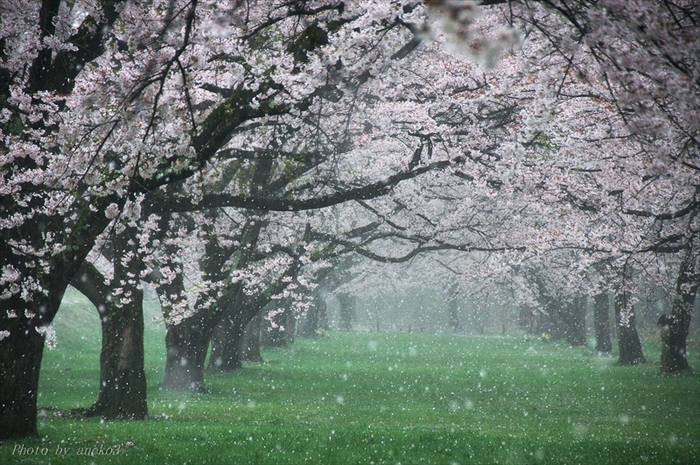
x: 368, y: 191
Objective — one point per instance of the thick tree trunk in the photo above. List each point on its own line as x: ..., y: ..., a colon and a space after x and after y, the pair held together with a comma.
x: 21, y: 346
x: 251, y: 341
x: 238, y: 335
x: 674, y: 328
x: 186, y: 344
x: 20, y: 359
x: 122, y: 376
x: 550, y: 320
x: 186, y: 338
x: 628, y: 339
x: 601, y: 323
x: 21, y: 352
x: 122, y: 391
x: 674, y: 333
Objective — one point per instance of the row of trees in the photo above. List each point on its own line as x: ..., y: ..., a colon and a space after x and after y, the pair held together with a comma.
x: 232, y: 154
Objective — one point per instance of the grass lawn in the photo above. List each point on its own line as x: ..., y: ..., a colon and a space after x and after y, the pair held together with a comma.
x: 356, y: 398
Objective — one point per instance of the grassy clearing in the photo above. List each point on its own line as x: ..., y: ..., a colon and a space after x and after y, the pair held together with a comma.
x: 378, y: 399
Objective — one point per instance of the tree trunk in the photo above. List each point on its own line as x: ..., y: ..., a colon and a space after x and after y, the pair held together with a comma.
x: 549, y: 320
x: 186, y: 345
x: 290, y: 327
x: 281, y: 333
x: 227, y: 343
x: 123, y: 387
x: 628, y: 338
x: 22, y: 349
x: 20, y: 360
x: 601, y: 323
x: 238, y: 336
x: 673, y: 333
x: 122, y: 376
x: 674, y: 328
x: 347, y: 311
x: 316, y: 319
x: 186, y: 338
x: 251, y: 341
x: 574, y: 318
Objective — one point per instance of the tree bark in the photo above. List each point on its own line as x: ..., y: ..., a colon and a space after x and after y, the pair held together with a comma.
x: 601, y: 323
x: 229, y: 344
x: 674, y: 328
x: 186, y: 344
x: 21, y: 350
x: 574, y: 319
x: 123, y: 387
x: 186, y: 339
x: 122, y: 376
x: 628, y: 339
x: 20, y: 359
x: 549, y: 318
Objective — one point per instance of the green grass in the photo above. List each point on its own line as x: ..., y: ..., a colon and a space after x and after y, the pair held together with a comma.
x: 379, y: 399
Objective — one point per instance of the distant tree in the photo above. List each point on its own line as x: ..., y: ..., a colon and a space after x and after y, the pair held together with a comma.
x: 601, y: 323
x: 454, y: 320
x: 347, y: 310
